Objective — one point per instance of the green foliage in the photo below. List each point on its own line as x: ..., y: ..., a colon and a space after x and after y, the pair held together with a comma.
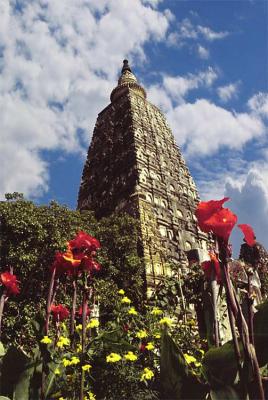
x: 220, y: 366
x: 177, y: 380
x: 261, y: 333
x: 2, y: 350
x: 228, y: 393
x: 30, y: 235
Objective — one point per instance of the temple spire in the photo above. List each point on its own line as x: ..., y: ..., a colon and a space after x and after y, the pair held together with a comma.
x: 127, y: 81
x: 126, y: 66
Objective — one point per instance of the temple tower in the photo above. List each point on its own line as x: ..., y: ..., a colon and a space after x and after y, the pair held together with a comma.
x: 134, y: 166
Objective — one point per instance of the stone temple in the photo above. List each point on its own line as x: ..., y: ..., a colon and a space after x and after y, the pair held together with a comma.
x: 134, y: 166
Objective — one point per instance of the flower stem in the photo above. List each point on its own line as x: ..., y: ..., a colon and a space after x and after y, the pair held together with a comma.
x: 2, y: 305
x: 73, y: 309
x: 49, y: 297
x: 84, y: 319
x: 235, y: 308
x: 215, y: 317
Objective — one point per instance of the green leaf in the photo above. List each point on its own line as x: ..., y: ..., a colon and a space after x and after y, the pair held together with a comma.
x: 227, y: 393
x: 261, y: 333
x: 2, y: 350
x: 220, y: 365
x: 178, y: 383
x: 4, y: 398
x: 14, y: 362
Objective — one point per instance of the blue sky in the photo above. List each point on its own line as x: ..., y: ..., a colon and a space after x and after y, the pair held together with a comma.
x: 204, y: 63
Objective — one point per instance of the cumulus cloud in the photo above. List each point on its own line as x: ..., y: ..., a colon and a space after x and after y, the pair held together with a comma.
x: 249, y: 200
x: 259, y: 104
x: 211, y: 35
x: 202, y: 52
x: 175, y: 88
x: 59, y: 62
x: 187, y: 31
x: 228, y: 92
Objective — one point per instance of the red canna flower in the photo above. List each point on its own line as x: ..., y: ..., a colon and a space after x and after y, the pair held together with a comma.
x: 10, y: 282
x: 206, y: 209
x: 212, y: 266
x: 84, y: 241
x: 249, y: 234
x: 80, y: 311
x: 90, y: 265
x: 221, y: 223
x: 142, y: 347
x: 65, y: 263
x: 60, y: 312
x: 213, y: 217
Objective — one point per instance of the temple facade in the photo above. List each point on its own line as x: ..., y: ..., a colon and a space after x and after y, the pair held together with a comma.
x: 134, y: 166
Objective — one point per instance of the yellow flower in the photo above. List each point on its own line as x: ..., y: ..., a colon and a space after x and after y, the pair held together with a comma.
x: 157, y: 335
x: 201, y: 351
x: 141, y: 334
x: 93, y: 323
x: 132, y: 311
x: 149, y: 346
x: 46, y: 340
x: 125, y: 300
x: 113, y: 357
x: 57, y: 371
x: 79, y: 348
x: 62, y: 398
x: 189, y: 359
x: 121, y: 291
x: 66, y: 362
x: 130, y: 356
x: 63, y: 326
x: 63, y: 341
x: 197, y: 364
x: 91, y: 396
x: 75, y: 360
x: 156, y: 311
x: 147, y: 374
x: 86, y: 367
x: 166, y: 321
x: 78, y: 327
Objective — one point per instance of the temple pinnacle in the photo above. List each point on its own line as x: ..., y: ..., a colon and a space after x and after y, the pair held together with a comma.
x: 126, y: 67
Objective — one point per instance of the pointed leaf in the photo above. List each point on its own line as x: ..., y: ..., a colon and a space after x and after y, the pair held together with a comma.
x: 227, y: 393
x: 176, y: 379
x: 261, y: 333
x: 2, y: 350
x: 220, y: 365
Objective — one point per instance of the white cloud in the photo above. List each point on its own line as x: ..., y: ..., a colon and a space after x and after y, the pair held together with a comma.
x: 187, y: 31
x: 211, y: 35
x: 259, y: 104
x: 228, y: 92
x: 60, y: 61
x: 249, y: 200
x: 178, y: 87
x: 203, y: 128
x: 202, y: 52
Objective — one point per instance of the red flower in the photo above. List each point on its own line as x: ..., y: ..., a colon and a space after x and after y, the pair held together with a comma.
x: 212, y: 266
x: 60, y: 312
x: 10, y: 282
x: 212, y: 217
x: 84, y: 241
x: 206, y: 209
x: 90, y: 265
x: 249, y: 234
x: 80, y: 311
x: 65, y: 263
x: 142, y: 347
